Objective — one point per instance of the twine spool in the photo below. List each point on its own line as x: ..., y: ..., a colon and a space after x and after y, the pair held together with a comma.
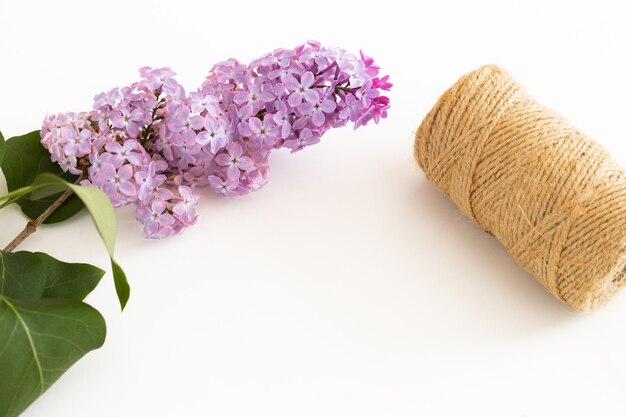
x: 551, y: 195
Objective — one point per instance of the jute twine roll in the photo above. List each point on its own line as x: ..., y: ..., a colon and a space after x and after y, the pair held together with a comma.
x: 551, y: 195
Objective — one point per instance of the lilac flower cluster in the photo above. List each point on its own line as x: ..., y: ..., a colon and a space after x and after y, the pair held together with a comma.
x: 151, y: 144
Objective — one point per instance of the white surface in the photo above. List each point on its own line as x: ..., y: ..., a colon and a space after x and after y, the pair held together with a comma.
x: 348, y: 286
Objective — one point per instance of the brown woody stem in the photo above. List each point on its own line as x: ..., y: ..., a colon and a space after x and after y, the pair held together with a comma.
x: 31, y: 226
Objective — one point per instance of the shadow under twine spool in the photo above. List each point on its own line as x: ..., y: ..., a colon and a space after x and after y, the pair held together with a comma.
x: 551, y: 195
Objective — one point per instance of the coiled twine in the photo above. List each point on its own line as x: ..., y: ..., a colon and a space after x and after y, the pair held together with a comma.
x: 550, y: 194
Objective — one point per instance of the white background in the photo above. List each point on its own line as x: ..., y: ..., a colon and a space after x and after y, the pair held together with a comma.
x: 348, y: 286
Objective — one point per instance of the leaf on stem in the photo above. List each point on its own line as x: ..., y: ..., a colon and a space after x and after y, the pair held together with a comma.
x: 44, y: 326
x: 68, y: 280
x: 102, y: 214
x: 24, y: 159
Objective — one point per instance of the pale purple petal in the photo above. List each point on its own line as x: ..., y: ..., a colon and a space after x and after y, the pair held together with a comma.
x: 107, y: 170
x: 311, y: 96
x: 151, y: 227
x: 110, y: 189
x: 241, y: 97
x: 295, y: 99
x: 166, y: 220
x: 196, y: 122
x: 307, y: 79
x: 285, y: 130
x: 235, y: 150
x: 245, y: 163
x: 255, y: 124
x: 223, y: 160
x: 318, y: 118
x: 134, y: 158
x: 328, y: 106
x: 203, y: 138
x: 215, y: 182
x: 233, y: 172
x: 127, y: 188
x: 158, y: 206
x: 291, y: 83
x: 125, y: 172
x: 245, y: 112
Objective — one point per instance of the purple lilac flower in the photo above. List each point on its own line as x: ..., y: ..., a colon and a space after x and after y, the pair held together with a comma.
x: 151, y: 144
x: 157, y: 221
x: 213, y: 135
x: 128, y: 119
x: 185, y: 208
x: 301, y: 90
x: 317, y: 110
x: 305, y: 138
x: 226, y: 187
x: 116, y: 183
x: 234, y: 161
x: 121, y: 153
x: 262, y: 133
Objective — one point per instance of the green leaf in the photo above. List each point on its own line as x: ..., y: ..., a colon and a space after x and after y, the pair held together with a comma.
x: 72, y: 281
x: 39, y: 341
x: 2, y: 147
x: 121, y: 283
x: 99, y: 207
x: 102, y: 213
x: 28, y: 275
x: 44, y: 326
x: 22, y: 275
x: 25, y: 159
